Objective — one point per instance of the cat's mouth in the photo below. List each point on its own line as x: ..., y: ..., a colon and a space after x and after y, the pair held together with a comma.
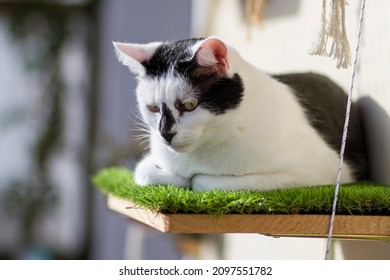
x: 182, y: 142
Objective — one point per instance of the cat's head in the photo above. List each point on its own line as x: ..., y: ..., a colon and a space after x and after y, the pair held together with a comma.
x: 185, y: 88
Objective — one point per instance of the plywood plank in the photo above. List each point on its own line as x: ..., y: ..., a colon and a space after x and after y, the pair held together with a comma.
x: 346, y: 226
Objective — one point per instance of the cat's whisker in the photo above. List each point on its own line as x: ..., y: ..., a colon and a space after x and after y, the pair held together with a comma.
x: 140, y: 125
x: 142, y: 132
x: 143, y: 140
x: 140, y: 129
x: 135, y: 117
x: 147, y: 146
x: 141, y: 137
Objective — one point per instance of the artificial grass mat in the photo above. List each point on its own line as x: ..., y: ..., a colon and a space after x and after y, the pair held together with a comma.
x: 359, y: 199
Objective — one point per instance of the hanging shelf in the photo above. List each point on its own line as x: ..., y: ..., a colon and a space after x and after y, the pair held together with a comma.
x: 363, y: 213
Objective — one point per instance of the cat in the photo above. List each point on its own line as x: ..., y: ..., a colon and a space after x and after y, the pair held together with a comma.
x: 216, y: 121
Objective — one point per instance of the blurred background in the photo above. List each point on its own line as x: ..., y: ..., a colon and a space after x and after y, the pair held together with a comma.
x: 67, y: 109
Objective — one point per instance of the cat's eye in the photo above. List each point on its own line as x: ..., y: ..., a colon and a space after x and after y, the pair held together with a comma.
x: 190, y: 105
x: 153, y: 108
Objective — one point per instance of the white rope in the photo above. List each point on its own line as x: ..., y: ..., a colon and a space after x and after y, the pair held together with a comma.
x: 345, y: 131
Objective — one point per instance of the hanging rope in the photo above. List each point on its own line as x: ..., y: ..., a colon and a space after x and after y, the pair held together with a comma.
x: 345, y: 131
x: 334, y: 29
x: 254, y: 10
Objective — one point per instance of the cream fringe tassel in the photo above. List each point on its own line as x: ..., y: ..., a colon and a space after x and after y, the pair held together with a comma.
x: 334, y: 29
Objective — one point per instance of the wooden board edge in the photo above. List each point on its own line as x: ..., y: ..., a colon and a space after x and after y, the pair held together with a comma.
x: 147, y: 217
x: 289, y: 225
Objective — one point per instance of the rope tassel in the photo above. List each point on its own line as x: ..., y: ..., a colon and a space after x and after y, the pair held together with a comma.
x: 334, y: 28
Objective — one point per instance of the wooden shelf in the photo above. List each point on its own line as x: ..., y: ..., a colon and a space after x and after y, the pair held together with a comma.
x: 346, y: 226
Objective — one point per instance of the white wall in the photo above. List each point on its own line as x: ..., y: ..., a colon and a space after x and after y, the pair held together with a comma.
x: 281, y: 45
x: 283, y: 42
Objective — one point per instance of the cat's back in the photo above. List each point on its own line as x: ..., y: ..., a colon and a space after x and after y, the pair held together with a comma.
x: 324, y: 105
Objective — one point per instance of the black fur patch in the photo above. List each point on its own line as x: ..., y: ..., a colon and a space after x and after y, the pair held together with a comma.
x: 219, y: 94
x: 324, y: 104
x: 166, y: 123
x: 216, y: 93
x: 167, y: 55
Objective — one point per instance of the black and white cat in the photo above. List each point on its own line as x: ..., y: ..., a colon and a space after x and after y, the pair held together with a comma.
x: 216, y: 121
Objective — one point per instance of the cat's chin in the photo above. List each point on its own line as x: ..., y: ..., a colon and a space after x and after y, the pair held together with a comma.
x: 180, y: 148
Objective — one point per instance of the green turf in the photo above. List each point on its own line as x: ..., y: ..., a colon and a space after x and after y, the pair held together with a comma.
x: 363, y: 198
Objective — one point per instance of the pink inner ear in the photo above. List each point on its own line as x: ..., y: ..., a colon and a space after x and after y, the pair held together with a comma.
x: 133, y: 50
x: 139, y: 52
x: 213, y: 53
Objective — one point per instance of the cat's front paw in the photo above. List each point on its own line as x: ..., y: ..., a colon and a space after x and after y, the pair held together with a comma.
x: 149, y: 173
x: 145, y: 177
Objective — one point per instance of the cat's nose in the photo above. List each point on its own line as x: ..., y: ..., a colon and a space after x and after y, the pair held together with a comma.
x: 167, y: 123
x: 168, y: 136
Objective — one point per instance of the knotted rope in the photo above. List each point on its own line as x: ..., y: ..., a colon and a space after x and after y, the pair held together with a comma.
x: 333, y: 28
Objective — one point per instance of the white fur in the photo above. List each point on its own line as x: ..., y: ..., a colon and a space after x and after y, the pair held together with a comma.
x: 265, y: 143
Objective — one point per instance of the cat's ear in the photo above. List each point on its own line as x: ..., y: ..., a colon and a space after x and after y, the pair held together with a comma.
x: 211, y: 54
x: 133, y: 55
